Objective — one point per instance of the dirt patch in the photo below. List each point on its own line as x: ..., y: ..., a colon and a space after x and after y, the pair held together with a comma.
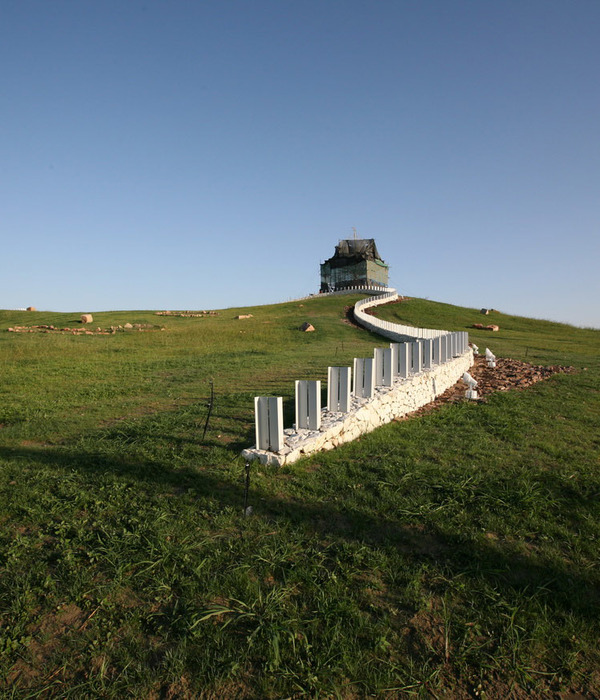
x: 46, y: 639
x: 349, y: 318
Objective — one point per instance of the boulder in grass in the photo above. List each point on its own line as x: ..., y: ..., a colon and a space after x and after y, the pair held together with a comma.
x: 242, y: 316
x: 31, y: 308
x: 86, y: 318
x: 307, y: 327
x: 492, y: 327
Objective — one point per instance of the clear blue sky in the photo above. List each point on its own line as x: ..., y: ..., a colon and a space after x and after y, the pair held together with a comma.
x: 188, y: 154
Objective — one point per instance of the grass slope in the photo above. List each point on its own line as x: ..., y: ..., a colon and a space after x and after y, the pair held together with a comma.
x: 453, y: 554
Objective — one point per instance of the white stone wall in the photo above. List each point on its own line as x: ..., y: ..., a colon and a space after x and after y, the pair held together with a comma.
x: 388, y: 403
x: 404, y: 396
x: 394, y: 331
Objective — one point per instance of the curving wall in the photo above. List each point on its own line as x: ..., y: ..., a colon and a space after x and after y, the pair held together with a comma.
x: 405, y: 395
x: 395, y: 331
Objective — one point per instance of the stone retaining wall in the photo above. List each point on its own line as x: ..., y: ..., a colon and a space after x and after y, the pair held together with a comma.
x: 388, y: 403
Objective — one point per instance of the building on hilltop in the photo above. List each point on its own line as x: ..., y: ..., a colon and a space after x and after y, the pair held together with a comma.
x: 355, y: 262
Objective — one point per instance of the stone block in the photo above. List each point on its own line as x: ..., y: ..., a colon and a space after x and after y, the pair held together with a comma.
x: 338, y: 389
x: 427, y: 354
x: 308, y: 404
x: 364, y: 377
x: 417, y: 361
x: 404, y: 360
x: 383, y: 367
x: 268, y: 416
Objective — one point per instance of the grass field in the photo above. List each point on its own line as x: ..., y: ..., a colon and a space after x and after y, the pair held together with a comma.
x: 451, y: 555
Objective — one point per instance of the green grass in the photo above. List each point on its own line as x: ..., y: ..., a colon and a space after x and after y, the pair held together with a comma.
x: 454, y: 554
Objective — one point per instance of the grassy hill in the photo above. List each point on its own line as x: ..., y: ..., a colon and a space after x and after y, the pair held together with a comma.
x: 453, y: 554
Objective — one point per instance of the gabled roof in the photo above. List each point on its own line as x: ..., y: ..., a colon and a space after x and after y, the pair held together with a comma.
x: 361, y: 248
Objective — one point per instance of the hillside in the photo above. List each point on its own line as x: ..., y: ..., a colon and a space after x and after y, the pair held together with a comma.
x: 454, y: 553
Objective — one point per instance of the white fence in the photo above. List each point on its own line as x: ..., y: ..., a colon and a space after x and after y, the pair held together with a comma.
x: 357, y: 289
x: 416, y: 366
x: 394, y: 331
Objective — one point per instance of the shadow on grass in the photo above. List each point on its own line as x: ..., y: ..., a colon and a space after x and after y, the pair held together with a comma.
x: 565, y: 588
x: 183, y: 426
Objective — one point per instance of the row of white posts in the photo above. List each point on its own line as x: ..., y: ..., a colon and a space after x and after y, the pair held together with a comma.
x: 399, y: 360
x: 382, y: 327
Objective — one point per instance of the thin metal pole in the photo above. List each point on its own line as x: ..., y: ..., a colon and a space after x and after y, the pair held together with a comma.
x: 246, y: 489
x: 210, y: 408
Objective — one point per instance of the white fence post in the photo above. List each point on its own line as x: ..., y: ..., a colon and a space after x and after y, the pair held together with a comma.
x: 416, y: 357
x: 437, y: 350
x: 268, y: 420
x: 444, y: 349
x: 338, y: 389
x: 308, y: 404
x: 404, y: 361
x: 395, y: 348
x: 427, y: 354
x: 383, y: 367
x: 364, y: 377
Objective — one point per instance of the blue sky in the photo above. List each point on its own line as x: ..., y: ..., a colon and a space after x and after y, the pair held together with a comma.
x: 191, y: 155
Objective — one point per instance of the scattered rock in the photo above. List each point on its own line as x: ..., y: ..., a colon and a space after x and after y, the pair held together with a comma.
x: 244, y: 316
x: 31, y: 308
x: 80, y: 331
x: 485, y: 311
x: 187, y: 314
x: 481, y: 327
x: 86, y: 318
x: 307, y: 327
x: 508, y: 374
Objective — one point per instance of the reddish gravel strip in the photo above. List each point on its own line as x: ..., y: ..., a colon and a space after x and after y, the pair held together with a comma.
x: 508, y: 374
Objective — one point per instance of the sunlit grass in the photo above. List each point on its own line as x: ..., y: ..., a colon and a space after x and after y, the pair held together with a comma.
x: 452, y: 554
